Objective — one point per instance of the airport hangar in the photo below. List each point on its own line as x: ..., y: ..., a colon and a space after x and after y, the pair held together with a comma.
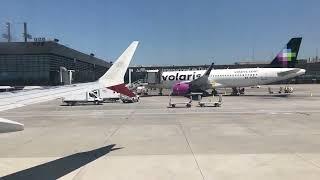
x: 46, y: 63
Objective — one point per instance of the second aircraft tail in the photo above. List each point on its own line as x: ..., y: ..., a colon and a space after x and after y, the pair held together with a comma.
x: 287, y: 57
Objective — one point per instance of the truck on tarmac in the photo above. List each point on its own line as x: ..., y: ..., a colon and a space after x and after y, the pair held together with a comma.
x: 88, y: 97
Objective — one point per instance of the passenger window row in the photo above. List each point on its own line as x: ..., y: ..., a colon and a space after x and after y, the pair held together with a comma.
x: 234, y: 75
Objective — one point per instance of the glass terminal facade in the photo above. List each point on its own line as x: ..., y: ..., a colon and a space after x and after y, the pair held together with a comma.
x: 27, y: 64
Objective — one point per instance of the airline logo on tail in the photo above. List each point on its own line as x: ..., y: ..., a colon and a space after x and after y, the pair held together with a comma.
x: 288, y: 55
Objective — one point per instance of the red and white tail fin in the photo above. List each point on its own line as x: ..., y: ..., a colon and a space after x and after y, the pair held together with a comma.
x: 114, y: 78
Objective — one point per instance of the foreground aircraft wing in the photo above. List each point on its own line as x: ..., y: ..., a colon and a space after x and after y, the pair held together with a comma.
x: 114, y: 78
x: 203, y: 80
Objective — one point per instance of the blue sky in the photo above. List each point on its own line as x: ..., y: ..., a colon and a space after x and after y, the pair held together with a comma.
x: 171, y: 31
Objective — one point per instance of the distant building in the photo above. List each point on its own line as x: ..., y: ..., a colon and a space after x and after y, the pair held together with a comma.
x: 42, y: 63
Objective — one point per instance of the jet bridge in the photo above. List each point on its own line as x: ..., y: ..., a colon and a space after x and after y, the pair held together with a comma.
x: 153, y: 77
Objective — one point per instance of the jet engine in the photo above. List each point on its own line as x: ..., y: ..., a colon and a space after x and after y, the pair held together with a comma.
x: 180, y: 89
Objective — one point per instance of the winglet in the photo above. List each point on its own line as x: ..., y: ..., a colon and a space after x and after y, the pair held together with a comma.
x: 114, y: 77
x: 7, y: 125
x: 203, y: 80
x: 207, y: 73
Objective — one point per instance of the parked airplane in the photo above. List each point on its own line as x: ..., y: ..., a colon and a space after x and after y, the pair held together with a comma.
x: 281, y: 68
x: 113, y: 79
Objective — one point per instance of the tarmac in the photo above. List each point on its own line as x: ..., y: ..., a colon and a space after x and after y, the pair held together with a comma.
x: 256, y: 136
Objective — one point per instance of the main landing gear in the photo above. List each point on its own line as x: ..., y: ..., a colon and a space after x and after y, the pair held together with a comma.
x: 237, y: 91
x: 214, y: 92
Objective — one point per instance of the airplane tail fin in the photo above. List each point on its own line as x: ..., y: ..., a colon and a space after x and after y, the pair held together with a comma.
x: 114, y: 78
x: 287, y: 57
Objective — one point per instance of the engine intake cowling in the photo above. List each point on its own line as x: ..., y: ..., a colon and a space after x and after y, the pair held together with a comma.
x: 180, y: 89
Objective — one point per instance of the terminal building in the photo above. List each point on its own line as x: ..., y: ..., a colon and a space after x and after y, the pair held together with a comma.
x: 46, y: 63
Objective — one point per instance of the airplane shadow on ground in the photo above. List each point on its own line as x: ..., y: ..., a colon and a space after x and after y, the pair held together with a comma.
x: 60, y: 167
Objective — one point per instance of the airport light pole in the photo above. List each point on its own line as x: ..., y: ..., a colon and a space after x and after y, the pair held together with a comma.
x: 9, y: 31
x: 8, y: 34
x: 26, y: 36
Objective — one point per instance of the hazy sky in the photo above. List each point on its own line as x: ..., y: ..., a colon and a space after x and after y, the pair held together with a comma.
x: 171, y: 31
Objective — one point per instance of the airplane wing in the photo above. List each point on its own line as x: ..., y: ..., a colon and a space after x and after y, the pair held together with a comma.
x: 203, y: 80
x: 114, y: 78
x: 285, y: 73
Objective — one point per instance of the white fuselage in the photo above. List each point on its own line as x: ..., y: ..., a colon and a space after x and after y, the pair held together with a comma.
x: 229, y: 78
